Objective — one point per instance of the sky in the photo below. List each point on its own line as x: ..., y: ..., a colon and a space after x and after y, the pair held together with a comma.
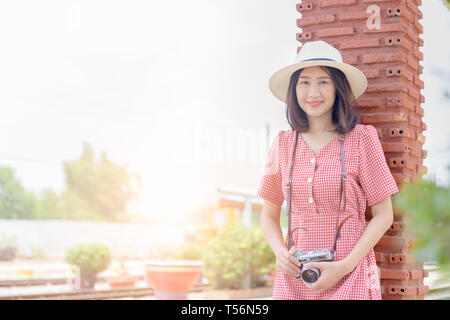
x: 176, y: 91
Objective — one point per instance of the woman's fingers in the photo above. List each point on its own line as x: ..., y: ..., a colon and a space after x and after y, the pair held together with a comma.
x: 287, y: 263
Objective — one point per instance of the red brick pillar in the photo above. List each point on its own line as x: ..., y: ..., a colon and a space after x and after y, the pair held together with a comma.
x: 381, y: 38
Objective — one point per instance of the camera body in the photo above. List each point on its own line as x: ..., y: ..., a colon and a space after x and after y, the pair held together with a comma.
x: 311, y: 275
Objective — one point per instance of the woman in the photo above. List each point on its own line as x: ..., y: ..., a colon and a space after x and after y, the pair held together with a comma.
x: 320, y: 92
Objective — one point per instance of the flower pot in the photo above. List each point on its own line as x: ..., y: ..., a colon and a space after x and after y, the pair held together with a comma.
x: 87, y: 281
x: 122, y: 281
x: 173, y: 279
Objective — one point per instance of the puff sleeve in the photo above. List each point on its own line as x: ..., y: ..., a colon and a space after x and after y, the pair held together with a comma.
x: 270, y: 185
x: 374, y: 174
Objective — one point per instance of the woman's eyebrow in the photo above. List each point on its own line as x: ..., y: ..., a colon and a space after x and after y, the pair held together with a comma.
x: 322, y: 77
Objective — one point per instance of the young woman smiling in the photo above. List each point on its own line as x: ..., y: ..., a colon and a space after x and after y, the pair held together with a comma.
x: 320, y: 93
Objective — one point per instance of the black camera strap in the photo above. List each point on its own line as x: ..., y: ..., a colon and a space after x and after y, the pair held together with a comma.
x: 342, y: 193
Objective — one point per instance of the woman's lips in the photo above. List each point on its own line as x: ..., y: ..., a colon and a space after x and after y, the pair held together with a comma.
x: 315, y: 104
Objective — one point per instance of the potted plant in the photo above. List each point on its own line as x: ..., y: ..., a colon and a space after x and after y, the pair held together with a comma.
x: 172, y: 272
x: 8, y: 249
x: 240, y: 260
x: 90, y: 259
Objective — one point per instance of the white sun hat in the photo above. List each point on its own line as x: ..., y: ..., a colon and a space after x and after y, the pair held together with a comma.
x: 317, y: 53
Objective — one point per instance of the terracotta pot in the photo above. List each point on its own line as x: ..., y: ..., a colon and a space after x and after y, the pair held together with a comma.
x: 121, y: 281
x: 173, y: 279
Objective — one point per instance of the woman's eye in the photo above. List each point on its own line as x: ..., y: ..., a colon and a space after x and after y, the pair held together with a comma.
x: 323, y: 82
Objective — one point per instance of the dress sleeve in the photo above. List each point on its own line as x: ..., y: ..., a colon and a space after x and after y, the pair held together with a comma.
x: 375, y: 176
x: 270, y: 186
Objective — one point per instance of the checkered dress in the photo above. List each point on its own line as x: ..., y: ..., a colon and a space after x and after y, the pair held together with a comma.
x: 315, y: 200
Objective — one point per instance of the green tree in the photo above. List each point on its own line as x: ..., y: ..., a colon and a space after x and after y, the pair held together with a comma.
x: 103, y: 186
x: 15, y: 201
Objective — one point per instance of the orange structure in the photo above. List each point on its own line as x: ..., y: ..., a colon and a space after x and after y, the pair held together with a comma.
x: 381, y: 38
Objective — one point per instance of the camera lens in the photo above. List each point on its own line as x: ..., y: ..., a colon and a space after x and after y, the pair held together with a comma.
x: 310, y: 275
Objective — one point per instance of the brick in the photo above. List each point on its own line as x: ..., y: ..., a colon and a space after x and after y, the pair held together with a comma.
x: 350, y: 59
x: 395, y: 147
x: 366, y: 43
x: 418, y: 82
x: 413, y: 7
x: 420, y: 138
x: 401, y: 132
x: 411, y: 34
x: 420, y: 42
x: 419, y: 111
x: 393, y: 244
x: 412, y: 62
x: 376, y: 1
x: 332, y: 32
x: 302, y: 36
x: 371, y: 73
x: 422, y: 169
x: 383, y: 57
x: 424, y: 154
x: 334, y: 3
x: 417, y: 53
x: 414, y: 121
x: 369, y: 102
x: 304, y: 6
x: 418, y: 26
x: 399, y: 11
x: 398, y: 41
x: 348, y: 16
x: 326, y: 18
x: 415, y: 151
x: 398, y: 162
x: 396, y: 228
x: 399, y: 71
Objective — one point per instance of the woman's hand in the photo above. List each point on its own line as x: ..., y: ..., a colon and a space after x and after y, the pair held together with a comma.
x: 330, y: 274
x: 286, y: 262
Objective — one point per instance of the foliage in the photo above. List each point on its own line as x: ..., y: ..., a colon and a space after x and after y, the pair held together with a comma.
x: 104, y: 187
x: 15, y: 201
x: 427, y: 208
x: 236, y: 253
x: 91, y: 258
x: 447, y: 3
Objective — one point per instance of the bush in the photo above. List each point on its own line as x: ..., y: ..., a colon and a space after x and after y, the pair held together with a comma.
x: 235, y: 253
x: 90, y: 258
x: 426, y: 207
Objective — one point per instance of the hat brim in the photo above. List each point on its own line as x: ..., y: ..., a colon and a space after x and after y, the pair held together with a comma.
x: 279, y: 82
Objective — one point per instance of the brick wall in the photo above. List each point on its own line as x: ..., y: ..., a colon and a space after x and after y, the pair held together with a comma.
x: 386, y: 47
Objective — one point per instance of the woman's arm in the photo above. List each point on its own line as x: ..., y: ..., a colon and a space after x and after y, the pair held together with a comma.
x: 270, y: 222
x: 382, y: 218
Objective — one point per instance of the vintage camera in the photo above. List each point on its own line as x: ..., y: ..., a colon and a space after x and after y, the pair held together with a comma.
x: 312, y: 275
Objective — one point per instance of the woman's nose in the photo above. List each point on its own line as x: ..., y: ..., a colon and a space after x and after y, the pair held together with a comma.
x: 314, y: 91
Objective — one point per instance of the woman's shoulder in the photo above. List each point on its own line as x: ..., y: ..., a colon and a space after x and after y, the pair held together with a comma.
x: 363, y: 131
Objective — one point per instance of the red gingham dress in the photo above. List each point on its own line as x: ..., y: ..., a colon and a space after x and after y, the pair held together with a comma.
x: 315, y: 200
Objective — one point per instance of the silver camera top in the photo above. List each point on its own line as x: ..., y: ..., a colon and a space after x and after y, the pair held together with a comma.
x: 314, y: 255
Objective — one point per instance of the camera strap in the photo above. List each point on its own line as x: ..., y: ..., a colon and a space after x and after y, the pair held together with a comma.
x: 342, y: 193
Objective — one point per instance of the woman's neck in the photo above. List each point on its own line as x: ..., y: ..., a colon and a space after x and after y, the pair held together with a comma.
x: 317, y: 126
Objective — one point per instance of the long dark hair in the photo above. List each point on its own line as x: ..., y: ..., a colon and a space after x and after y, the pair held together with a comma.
x: 345, y: 113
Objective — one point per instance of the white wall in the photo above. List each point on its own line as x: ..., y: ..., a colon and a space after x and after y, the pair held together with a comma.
x: 54, y: 237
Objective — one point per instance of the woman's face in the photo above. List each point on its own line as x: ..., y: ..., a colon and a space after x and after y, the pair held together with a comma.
x: 316, y: 92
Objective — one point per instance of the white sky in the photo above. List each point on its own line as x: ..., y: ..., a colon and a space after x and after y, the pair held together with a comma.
x: 164, y: 86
